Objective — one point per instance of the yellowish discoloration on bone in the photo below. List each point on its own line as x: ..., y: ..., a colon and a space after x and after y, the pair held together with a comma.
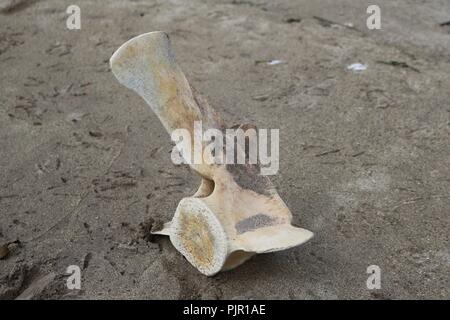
x: 235, y: 213
x: 196, y: 239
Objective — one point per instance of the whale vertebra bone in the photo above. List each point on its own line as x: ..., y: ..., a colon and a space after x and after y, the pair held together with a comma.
x: 236, y: 212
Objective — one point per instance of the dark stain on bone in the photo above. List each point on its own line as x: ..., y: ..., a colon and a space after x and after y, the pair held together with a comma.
x: 248, y: 177
x: 254, y: 222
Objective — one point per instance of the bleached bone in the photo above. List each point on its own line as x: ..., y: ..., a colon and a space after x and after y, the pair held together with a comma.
x: 236, y: 212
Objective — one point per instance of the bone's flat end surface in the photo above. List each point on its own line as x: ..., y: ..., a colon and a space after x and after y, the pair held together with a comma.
x: 199, y: 236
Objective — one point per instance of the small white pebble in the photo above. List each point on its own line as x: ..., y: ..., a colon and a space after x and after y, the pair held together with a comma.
x: 357, y: 67
x: 274, y: 62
